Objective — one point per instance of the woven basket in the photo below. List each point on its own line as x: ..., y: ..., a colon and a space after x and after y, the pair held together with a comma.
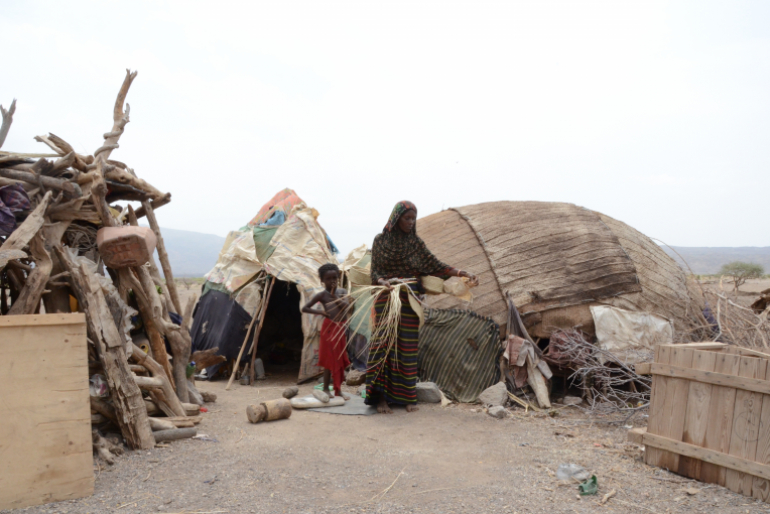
x: 360, y: 276
x: 432, y: 285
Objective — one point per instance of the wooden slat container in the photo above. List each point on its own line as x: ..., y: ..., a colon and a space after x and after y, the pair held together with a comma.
x: 710, y: 415
x: 45, y: 434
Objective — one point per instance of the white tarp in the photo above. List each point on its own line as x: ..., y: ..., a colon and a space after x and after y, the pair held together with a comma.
x: 629, y: 334
x: 300, y: 249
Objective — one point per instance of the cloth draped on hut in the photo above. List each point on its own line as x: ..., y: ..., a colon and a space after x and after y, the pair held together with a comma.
x: 459, y: 352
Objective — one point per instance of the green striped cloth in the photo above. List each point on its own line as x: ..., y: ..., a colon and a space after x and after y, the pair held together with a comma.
x: 459, y: 351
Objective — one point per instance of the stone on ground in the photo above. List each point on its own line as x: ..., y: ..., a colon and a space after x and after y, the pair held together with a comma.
x: 495, y: 395
x: 290, y: 392
x: 498, y: 412
x: 428, y: 392
x: 321, y: 396
x: 572, y: 400
x: 355, y: 378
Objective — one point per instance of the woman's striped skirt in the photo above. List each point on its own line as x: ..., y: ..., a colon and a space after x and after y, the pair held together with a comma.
x: 392, y: 374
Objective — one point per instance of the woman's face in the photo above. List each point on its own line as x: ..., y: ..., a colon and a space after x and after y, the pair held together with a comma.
x: 407, y: 220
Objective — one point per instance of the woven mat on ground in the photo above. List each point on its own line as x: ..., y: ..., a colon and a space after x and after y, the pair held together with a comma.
x: 459, y: 351
x: 353, y: 407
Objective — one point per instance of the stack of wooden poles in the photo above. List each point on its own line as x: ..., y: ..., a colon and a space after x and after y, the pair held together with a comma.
x: 70, y: 196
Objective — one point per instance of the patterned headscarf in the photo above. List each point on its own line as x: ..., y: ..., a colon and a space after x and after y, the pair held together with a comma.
x: 398, y: 211
x: 396, y: 254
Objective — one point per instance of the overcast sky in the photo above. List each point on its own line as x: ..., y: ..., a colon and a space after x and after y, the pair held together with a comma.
x: 657, y: 114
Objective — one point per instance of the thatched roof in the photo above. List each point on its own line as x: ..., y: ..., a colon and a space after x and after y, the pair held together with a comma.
x: 555, y: 260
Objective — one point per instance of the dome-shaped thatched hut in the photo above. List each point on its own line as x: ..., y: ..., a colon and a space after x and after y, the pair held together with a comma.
x: 555, y: 260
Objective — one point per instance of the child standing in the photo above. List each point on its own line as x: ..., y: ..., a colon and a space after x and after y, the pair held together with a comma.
x: 332, y: 351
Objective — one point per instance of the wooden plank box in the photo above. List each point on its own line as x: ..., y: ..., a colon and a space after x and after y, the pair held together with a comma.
x: 709, y: 416
x: 45, y: 433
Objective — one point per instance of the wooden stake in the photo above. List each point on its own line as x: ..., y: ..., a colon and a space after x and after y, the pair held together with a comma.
x: 259, y: 329
x: 246, y: 338
x: 163, y: 256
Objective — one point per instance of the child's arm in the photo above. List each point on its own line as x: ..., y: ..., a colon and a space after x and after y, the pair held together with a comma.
x: 313, y: 301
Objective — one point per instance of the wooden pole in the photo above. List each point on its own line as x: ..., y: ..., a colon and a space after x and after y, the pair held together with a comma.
x: 259, y: 329
x: 246, y: 338
x: 163, y: 256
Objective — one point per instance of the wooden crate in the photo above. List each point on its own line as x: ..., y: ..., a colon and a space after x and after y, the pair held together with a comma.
x: 45, y: 433
x: 709, y: 415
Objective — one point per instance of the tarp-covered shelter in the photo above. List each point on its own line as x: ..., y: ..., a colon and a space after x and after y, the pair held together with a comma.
x: 285, y: 241
x: 555, y: 260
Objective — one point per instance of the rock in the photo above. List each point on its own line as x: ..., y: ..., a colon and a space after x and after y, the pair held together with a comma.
x: 572, y: 471
x: 355, y: 378
x: 428, y: 392
x: 571, y: 400
x: 321, y: 396
x: 498, y: 412
x: 290, y: 392
x: 208, y: 397
x: 495, y: 395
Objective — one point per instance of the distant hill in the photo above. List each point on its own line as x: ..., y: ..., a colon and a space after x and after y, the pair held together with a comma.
x: 708, y: 260
x: 192, y: 254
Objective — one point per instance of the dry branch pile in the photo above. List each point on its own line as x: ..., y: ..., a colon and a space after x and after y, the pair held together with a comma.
x: 51, y: 207
x: 609, y: 385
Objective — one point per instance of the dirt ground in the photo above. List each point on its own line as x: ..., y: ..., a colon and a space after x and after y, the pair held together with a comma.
x: 456, y: 459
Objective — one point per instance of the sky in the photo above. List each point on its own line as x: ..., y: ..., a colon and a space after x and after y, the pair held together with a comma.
x: 655, y: 113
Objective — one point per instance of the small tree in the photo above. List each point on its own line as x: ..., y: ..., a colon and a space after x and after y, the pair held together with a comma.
x: 741, y: 272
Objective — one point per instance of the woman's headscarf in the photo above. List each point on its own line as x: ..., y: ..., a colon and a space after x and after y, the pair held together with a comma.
x: 396, y: 254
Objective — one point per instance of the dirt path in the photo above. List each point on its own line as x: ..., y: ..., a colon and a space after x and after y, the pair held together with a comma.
x: 447, y: 460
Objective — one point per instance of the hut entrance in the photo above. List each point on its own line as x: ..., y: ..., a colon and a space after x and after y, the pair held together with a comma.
x: 281, y: 338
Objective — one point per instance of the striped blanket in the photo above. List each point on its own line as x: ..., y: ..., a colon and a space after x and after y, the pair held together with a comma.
x: 459, y: 351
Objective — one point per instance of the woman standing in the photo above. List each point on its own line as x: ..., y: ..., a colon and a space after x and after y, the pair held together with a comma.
x: 397, y: 255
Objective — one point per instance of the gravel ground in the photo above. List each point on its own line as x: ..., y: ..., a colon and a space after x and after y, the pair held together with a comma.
x: 456, y: 459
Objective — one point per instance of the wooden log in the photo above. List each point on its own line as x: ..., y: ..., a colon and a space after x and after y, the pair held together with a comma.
x: 169, y: 401
x: 24, y: 233
x: 124, y: 177
x: 151, y: 408
x: 156, y: 204
x: 184, y: 421
x: 104, y: 408
x: 7, y: 120
x: 29, y: 298
x: 58, y: 300
x: 175, y: 434
x: 126, y: 396
x: 137, y: 368
x: 148, y: 382
x: 50, y: 182
x: 165, y: 263
x: 161, y: 424
x: 191, y: 409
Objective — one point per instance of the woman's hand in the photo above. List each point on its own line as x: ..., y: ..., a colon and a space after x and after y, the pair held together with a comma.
x: 385, y: 282
x: 473, y: 280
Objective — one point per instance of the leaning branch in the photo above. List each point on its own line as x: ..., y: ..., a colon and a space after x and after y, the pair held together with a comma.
x: 7, y: 120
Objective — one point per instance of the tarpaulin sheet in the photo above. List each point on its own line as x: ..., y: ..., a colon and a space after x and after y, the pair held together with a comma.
x: 284, y: 201
x: 218, y: 321
x: 629, y: 335
x: 262, y: 238
x: 458, y: 350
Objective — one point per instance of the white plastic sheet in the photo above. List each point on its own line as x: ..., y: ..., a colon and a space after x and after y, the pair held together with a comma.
x: 629, y: 334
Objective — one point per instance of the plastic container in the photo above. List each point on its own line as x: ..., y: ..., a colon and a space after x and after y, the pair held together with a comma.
x: 121, y: 247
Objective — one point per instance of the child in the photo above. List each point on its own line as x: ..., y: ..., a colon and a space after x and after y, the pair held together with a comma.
x: 332, y: 351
